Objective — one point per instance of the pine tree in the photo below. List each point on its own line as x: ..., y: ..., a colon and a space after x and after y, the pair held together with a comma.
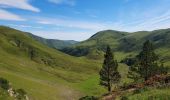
x: 147, y: 63
x: 109, y: 73
x: 148, y: 60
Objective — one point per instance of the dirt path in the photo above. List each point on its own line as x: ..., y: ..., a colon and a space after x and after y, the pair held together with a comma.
x: 117, y: 93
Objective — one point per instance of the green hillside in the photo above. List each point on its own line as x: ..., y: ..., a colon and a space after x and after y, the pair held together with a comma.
x: 54, y: 43
x: 123, y: 43
x: 45, y: 73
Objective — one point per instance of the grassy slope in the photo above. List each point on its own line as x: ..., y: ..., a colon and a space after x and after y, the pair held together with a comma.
x: 42, y: 82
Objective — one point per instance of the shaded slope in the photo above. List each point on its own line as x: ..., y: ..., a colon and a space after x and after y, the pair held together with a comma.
x: 54, y: 43
x: 132, y: 42
x: 96, y: 44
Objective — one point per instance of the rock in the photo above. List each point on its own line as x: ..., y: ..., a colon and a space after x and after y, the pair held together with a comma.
x: 11, y: 92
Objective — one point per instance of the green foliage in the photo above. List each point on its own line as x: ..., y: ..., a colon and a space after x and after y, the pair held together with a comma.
x: 147, y: 64
x: 4, y: 84
x: 147, y: 61
x: 109, y: 73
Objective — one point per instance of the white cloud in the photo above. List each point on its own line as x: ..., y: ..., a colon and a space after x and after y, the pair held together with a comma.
x: 5, y: 15
x: 62, y: 35
x: 20, y: 4
x: 25, y: 26
x: 158, y: 22
x: 87, y: 25
x: 68, y: 2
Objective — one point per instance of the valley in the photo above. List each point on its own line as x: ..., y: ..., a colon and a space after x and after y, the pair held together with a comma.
x: 70, y: 72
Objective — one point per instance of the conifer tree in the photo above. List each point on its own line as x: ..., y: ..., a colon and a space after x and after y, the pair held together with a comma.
x: 148, y: 60
x: 109, y: 73
x: 147, y: 63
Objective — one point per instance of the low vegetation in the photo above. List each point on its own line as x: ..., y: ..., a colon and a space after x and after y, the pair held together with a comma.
x: 8, y: 93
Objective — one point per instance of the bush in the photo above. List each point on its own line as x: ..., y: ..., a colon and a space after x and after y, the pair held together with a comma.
x: 88, y: 98
x: 4, y: 84
x: 21, y: 94
x: 128, y: 61
x: 140, y: 90
x: 124, y: 98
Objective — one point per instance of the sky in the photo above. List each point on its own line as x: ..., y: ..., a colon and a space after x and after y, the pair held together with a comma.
x: 80, y: 19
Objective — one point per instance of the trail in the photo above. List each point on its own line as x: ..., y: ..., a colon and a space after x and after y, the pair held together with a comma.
x: 117, y: 93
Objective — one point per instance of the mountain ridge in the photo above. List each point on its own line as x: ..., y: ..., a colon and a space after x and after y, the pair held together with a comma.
x: 54, y: 43
x: 122, y: 42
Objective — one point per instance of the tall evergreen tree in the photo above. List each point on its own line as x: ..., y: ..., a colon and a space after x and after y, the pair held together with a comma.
x: 147, y: 63
x: 148, y: 60
x: 109, y: 73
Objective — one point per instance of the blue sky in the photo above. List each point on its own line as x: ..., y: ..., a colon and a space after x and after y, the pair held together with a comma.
x: 79, y: 19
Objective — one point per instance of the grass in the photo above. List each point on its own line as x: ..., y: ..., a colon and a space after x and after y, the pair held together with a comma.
x: 40, y: 81
x: 151, y: 94
x: 90, y: 85
x: 4, y: 95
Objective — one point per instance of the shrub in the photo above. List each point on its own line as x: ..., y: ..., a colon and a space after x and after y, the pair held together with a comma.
x: 137, y: 91
x: 4, y: 84
x: 21, y: 94
x: 124, y: 98
x: 88, y: 98
x: 128, y: 61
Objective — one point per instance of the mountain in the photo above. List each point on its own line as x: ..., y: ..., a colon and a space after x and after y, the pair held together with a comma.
x: 95, y: 44
x: 123, y: 43
x: 45, y: 73
x: 54, y: 43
